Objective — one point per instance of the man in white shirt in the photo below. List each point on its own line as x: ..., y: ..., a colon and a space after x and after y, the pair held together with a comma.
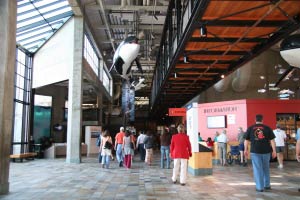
x: 222, y: 147
x: 140, y: 145
x: 280, y: 138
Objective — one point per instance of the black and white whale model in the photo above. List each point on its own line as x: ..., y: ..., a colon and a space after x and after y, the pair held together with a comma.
x: 290, y: 50
x: 126, y: 53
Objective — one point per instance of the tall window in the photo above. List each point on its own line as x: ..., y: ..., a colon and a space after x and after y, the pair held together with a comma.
x: 90, y: 55
x: 23, y: 77
x: 106, y: 81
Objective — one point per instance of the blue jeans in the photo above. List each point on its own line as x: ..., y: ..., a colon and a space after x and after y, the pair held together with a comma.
x: 142, y: 152
x: 261, y: 170
x: 119, y: 153
x: 164, y: 150
x: 106, y: 161
x: 99, y: 157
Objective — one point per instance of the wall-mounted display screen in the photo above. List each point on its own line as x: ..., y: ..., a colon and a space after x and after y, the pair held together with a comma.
x: 216, y: 121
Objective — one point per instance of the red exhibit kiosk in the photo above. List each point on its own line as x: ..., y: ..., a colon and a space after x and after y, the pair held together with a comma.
x: 207, y: 118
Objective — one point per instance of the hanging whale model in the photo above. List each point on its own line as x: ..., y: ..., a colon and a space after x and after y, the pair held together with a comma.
x: 126, y: 53
x: 290, y: 50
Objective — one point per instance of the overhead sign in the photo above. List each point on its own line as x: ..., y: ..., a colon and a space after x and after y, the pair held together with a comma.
x: 177, y: 112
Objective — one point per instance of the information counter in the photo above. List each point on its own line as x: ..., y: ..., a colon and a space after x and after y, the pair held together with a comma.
x: 200, y: 163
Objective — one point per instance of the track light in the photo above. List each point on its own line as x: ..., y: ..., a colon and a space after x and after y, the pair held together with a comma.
x: 203, y: 31
x: 186, y: 59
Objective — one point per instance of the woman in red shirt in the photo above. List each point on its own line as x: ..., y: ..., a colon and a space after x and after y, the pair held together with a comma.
x: 180, y: 151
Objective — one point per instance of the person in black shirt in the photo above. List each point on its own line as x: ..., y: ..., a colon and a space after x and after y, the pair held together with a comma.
x: 262, y: 144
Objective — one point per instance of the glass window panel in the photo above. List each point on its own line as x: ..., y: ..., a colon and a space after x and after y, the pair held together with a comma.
x: 45, y: 35
x: 21, y: 57
x: 58, y: 12
x: 41, y: 100
x: 53, y: 7
x: 21, y: 69
x: 31, y: 21
x: 30, y: 34
x: 33, y: 12
x: 19, y: 94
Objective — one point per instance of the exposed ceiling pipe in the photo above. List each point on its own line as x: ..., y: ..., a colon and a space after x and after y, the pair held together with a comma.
x: 242, y: 77
x: 102, y: 12
x: 223, y: 84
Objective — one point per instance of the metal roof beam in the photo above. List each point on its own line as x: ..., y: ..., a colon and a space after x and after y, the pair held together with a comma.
x: 207, y: 52
x: 242, y: 23
x: 129, y: 8
x: 231, y: 40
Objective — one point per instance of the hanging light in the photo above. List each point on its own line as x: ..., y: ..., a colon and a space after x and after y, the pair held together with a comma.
x: 186, y: 59
x: 222, y: 76
x: 203, y: 31
x: 175, y: 75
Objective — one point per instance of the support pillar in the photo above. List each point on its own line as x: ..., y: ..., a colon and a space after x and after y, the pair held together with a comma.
x: 8, y: 13
x: 75, y: 96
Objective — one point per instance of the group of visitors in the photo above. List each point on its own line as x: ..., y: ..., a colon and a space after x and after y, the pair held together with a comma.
x: 265, y: 143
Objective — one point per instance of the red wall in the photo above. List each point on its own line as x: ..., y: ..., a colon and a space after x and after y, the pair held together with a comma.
x: 269, y: 109
x: 244, y: 112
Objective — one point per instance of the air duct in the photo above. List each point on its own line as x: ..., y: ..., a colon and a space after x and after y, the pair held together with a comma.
x: 241, y: 78
x: 223, y: 84
x: 118, y: 91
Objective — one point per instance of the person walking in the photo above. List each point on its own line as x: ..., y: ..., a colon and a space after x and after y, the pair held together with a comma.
x: 106, y: 146
x: 118, y: 146
x: 241, y: 140
x: 165, y: 141
x: 128, y: 146
x: 280, y: 138
x: 149, y: 145
x: 262, y: 144
x: 140, y: 145
x: 180, y: 151
x: 222, y: 147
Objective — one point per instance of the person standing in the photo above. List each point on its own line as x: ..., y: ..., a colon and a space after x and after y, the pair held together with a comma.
x: 149, y: 145
x: 106, y: 146
x: 165, y: 141
x: 241, y: 140
x: 180, y: 151
x: 222, y: 147
x: 140, y: 145
x: 118, y: 146
x: 298, y: 148
x: 262, y: 144
x: 280, y: 138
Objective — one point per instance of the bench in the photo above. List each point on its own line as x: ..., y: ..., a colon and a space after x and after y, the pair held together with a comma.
x: 28, y: 155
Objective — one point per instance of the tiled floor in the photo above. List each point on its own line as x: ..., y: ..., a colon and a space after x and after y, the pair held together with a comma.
x: 55, y: 179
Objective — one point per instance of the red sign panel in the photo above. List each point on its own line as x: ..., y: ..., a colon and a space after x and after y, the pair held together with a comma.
x: 177, y: 112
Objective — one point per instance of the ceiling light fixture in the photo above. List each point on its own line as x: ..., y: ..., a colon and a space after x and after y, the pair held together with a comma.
x: 203, y: 31
x: 175, y: 75
x: 222, y: 76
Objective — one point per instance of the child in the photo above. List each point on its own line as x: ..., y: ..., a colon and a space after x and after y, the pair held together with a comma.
x: 210, y: 143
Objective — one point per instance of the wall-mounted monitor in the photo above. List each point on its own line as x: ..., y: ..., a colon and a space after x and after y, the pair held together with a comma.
x: 216, y: 121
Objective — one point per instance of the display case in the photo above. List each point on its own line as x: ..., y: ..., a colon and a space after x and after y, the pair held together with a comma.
x: 289, y: 123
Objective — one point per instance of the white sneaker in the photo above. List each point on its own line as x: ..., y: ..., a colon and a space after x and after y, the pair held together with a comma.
x: 280, y: 166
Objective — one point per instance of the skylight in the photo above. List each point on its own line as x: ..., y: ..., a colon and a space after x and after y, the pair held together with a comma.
x: 38, y: 20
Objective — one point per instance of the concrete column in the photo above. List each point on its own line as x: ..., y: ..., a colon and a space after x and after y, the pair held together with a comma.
x: 75, y: 96
x: 100, y: 108
x: 8, y: 10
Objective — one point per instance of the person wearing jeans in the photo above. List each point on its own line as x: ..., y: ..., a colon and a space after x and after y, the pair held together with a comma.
x: 262, y: 144
x: 165, y: 141
x: 118, y: 146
